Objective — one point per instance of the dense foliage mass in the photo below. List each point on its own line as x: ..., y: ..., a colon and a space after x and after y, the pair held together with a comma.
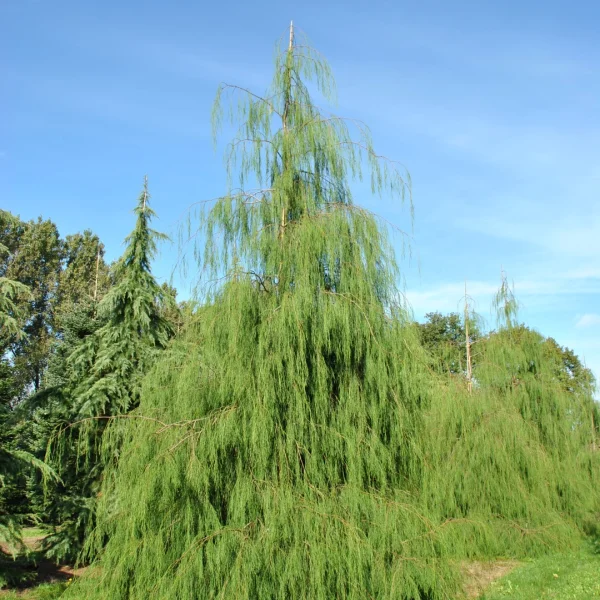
x: 107, y: 329
x: 296, y: 442
x: 297, y: 435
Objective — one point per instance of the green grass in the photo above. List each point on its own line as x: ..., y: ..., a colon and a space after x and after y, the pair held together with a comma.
x: 21, y: 573
x: 45, y: 591
x: 34, y: 532
x: 574, y: 576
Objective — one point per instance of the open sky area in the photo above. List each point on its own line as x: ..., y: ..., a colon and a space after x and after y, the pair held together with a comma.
x: 492, y: 107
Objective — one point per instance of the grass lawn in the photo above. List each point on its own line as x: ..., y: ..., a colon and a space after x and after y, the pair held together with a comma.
x: 30, y: 576
x: 45, y: 591
x: 573, y: 576
x: 34, y: 532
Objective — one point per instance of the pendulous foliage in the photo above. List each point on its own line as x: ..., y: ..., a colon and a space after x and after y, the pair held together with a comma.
x: 294, y: 441
x: 272, y: 453
x: 512, y: 467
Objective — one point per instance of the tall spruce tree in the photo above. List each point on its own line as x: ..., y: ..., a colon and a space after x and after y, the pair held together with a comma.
x: 96, y: 376
x: 271, y: 456
x: 111, y: 363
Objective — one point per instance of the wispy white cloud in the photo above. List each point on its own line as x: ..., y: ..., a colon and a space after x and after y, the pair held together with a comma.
x: 584, y: 273
x: 556, y: 288
x: 447, y: 297
x: 588, y: 320
x: 574, y: 234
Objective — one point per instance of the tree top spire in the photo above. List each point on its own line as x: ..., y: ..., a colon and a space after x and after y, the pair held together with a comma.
x: 145, y: 190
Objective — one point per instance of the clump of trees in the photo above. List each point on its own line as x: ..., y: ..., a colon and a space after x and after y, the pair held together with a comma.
x: 512, y: 467
x: 79, y: 336
x: 303, y: 437
x: 297, y: 435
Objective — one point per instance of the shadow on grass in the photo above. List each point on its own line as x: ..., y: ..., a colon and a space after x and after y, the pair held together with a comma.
x: 592, y: 531
x: 29, y: 570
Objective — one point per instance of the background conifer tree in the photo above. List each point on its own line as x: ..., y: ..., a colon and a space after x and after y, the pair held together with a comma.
x: 10, y: 328
x: 95, y: 375
x: 14, y: 459
x: 111, y: 363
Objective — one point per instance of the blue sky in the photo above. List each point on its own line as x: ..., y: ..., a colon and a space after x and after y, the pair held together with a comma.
x: 492, y: 106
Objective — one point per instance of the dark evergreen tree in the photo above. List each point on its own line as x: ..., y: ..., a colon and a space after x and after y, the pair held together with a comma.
x: 110, y: 364
x: 95, y: 376
x: 36, y: 263
x: 66, y: 505
x: 13, y: 458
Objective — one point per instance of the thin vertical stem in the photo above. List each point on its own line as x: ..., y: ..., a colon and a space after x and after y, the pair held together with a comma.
x: 145, y: 190
x: 97, y: 269
x: 468, y: 344
x: 288, y: 94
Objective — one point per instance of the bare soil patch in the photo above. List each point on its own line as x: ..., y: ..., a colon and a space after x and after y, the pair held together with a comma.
x: 478, y: 575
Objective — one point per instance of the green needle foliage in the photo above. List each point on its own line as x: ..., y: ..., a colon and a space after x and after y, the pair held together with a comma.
x: 67, y: 504
x: 294, y: 441
x: 111, y: 363
x: 272, y: 455
x: 514, y: 471
x: 13, y: 459
x: 108, y: 354
x: 12, y: 293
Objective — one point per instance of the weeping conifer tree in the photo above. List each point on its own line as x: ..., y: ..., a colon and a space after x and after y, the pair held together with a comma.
x: 274, y: 451
x: 512, y: 469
